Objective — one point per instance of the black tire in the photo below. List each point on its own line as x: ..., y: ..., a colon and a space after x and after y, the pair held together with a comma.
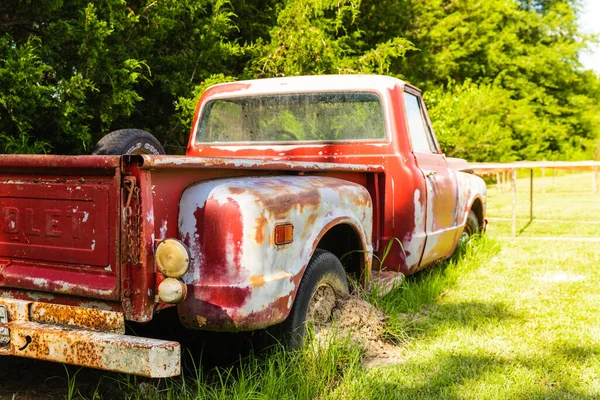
x: 472, y: 227
x: 324, y: 272
x: 128, y: 141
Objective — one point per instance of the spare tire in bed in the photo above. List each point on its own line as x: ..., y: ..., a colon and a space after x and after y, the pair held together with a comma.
x: 128, y: 141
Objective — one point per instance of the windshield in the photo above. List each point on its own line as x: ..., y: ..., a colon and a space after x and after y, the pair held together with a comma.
x: 293, y: 117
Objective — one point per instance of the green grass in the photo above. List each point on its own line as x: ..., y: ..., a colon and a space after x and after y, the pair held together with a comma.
x: 511, y: 318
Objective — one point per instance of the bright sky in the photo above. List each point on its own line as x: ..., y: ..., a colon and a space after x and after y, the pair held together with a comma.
x: 589, y: 22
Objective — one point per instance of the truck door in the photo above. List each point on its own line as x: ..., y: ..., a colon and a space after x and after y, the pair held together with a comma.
x: 440, y: 182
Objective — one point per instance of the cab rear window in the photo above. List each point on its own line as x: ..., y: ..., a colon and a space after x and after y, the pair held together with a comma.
x: 326, y: 117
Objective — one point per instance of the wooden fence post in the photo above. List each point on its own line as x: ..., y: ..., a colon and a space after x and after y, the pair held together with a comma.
x: 514, y: 202
x: 498, y: 182
x: 531, y: 195
x: 544, y: 180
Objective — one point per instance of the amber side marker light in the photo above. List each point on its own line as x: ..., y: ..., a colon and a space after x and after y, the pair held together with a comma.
x: 284, y: 234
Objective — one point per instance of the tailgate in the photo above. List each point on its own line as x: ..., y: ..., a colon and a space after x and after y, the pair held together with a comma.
x: 60, y: 224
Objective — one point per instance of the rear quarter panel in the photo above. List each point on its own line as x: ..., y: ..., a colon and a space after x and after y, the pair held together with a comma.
x: 239, y: 279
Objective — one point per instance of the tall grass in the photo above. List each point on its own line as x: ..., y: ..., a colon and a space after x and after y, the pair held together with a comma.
x: 403, y: 303
x: 310, y: 372
x: 318, y: 370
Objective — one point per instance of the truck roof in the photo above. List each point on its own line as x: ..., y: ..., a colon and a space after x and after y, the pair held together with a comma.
x: 299, y: 84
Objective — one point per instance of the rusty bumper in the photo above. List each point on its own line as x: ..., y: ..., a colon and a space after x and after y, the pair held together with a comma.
x: 84, y: 337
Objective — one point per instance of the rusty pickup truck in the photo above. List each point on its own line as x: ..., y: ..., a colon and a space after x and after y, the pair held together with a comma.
x: 290, y: 187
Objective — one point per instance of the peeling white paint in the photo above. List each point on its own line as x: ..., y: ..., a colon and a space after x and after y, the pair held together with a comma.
x: 93, y: 246
x: 417, y: 239
x: 277, y: 264
x: 41, y: 283
x: 469, y: 187
x: 86, y: 215
x: 163, y: 230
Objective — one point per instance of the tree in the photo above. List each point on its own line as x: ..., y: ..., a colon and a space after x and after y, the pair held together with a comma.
x: 503, y: 77
x: 94, y: 67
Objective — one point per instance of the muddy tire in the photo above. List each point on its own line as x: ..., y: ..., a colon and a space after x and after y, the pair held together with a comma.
x: 128, y: 141
x: 323, y: 282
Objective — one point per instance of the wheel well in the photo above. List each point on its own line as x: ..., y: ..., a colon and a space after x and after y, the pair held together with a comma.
x: 343, y: 241
x: 477, y: 208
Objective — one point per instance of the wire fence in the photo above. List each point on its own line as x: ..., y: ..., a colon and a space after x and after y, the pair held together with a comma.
x: 543, y: 200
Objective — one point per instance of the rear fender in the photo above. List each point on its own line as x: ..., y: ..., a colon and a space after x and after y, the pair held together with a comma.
x: 239, y: 279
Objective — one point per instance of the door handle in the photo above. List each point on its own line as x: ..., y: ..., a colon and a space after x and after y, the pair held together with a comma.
x: 429, y: 174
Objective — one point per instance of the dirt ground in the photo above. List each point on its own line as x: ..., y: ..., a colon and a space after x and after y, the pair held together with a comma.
x: 26, y: 379
x: 360, y: 322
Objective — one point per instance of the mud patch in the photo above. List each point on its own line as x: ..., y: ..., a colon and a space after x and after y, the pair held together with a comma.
x: 361, y: 323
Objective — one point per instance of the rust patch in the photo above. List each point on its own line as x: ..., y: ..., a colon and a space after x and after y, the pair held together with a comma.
x: 257, y: 280
x: 310, y: 222
x: 236, y: 190
x: 261, y: 225
x: 120, y: 353
x: 98, y: 320
x: 41, y: 297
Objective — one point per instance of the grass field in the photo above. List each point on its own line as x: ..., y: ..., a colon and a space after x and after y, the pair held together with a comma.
x: 514, y: 318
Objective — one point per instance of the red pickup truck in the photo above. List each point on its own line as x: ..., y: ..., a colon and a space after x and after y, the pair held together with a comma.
x: 289, y: 186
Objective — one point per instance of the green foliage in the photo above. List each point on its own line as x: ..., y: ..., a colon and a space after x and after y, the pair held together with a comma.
x: 81, y: 69
x: 518, y: 60
x: 502, y: 78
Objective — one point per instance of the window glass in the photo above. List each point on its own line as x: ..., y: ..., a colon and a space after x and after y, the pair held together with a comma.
x: 420, y: 135
x: 293, y: 117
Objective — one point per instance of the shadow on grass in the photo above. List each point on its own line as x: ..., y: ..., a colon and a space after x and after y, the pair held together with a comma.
x: 457, y: 376
x: 525, y: 227
x: 580, y: 353
x: 432, y: 319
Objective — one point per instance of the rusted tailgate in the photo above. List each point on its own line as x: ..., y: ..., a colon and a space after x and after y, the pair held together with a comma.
x: 60, y: 224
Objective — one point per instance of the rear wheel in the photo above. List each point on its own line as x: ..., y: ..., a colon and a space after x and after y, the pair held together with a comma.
x: 323, y: 282
x: 128, y: 141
